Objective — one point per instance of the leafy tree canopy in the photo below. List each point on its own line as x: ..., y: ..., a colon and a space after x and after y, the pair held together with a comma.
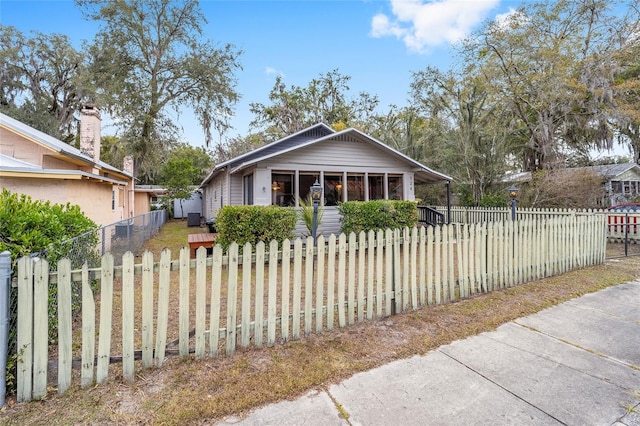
x: 195, y: 161
x: 474, y: 140
x: 324, y: 100
x: 552, y: 64
x: 41, y: 81
x: 148, y: 60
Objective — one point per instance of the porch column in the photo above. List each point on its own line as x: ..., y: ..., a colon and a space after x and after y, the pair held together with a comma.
x: 386, y: 186
x: 366, y: 186
x: 296, y: 188
x: 345, y: 186
x: 321, y: 182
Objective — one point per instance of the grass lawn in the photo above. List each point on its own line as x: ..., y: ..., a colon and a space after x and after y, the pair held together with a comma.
x: 197, y: 392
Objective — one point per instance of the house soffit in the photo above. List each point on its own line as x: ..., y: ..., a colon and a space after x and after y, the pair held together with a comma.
x: 59, y: 174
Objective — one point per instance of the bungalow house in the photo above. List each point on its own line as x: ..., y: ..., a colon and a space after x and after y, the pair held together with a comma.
x: 349, y: 165
x: 45, y: 168
x: 621, y: 181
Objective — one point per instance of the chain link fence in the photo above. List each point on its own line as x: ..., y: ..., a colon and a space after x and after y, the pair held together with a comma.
x: 116, y: 238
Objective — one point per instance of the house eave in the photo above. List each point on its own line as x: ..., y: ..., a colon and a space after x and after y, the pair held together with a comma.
x: 58, y: 174
x: 58, y: 148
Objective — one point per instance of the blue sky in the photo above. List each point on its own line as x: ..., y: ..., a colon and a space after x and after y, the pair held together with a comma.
x: 376, y: 42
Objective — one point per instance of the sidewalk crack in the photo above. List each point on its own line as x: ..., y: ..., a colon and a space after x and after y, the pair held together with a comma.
x: 501, y: 387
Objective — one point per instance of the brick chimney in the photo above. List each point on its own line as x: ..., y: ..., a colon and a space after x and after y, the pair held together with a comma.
x: 90, y: 131
x: 127, y: 165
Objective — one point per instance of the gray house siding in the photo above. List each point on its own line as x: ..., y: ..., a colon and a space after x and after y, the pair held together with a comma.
x: 337, y: 156
x: 214, y: 196
x: 282, y: 145
x: 330, y: 224
x: 319, y: 151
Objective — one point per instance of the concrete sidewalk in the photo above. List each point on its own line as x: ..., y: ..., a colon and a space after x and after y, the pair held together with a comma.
x: 577, y: 363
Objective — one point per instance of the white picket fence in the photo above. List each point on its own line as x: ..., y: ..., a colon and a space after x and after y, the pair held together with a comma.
x: 461, y: 214
x: 264, y: 295
x: 622, y: 225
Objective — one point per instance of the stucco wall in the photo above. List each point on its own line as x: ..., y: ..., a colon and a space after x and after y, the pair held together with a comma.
x: 14, y: 146
x: 94, y: 200
x: 142, y: 204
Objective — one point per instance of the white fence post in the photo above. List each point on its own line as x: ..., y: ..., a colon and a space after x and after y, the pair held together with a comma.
x: 5, y: 293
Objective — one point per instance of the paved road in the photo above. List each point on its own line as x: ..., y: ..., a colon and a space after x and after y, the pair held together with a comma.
x: 577, y: 363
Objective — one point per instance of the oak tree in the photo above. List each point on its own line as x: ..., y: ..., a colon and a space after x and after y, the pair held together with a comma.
x: 150, y: 62
x: 325, y: 100
x: 41, y: 81
x: 552, y: 64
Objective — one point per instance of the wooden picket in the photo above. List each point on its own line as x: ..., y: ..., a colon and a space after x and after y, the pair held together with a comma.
x: 254, y: 296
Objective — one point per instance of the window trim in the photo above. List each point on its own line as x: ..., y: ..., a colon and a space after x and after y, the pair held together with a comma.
x: 345, y: 176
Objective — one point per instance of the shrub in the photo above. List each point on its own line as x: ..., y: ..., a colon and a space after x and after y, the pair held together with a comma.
x: 365, y: 216
x: 494, y: 200
x: 305, y: 214
x: 30, y: 226
x: 562, y: 188
x: 250, y: 224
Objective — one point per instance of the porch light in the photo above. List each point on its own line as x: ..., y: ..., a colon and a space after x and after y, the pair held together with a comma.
x: 275, y: 186
x: 513, y: 192
x: 316, y: 191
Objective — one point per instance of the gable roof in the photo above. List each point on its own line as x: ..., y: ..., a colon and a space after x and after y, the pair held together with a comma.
x: 53, y: 144
x: 280, y: 145
x: 611, y: 170
x: 314, y: 135
x: 608, y: 171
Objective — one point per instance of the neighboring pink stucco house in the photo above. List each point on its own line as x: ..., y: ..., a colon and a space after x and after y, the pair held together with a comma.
x: 45, y: 168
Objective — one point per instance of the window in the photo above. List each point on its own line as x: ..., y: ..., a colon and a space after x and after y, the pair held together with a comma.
x: 113, y: 199
x: 395, y: 188
x: 285, y: 189
x: 247, y: 189
x: 376, y: 187
x: 355, y: 187
x: 282, y: 189
x: 332, y: 190
x: 306, y: 180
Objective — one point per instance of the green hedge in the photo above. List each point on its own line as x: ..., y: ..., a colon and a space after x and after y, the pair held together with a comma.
x: 250, y: 224
x: 31, y: 226
x: 365, y: 216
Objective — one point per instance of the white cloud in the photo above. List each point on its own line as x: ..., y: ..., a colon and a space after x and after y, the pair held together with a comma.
x: 271, y: 71
x: 505, y: 20
x: 425, y: 24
